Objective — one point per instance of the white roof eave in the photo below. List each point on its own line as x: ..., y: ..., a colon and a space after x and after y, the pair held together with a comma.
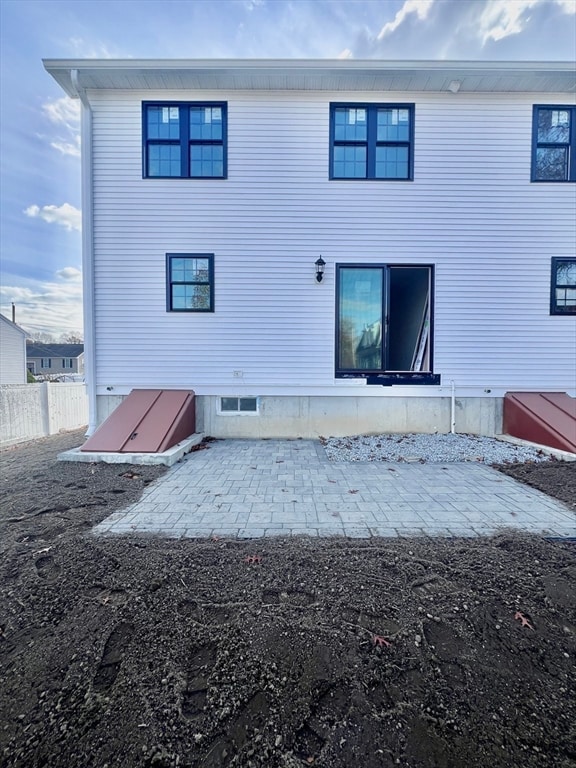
x: 304, y: 74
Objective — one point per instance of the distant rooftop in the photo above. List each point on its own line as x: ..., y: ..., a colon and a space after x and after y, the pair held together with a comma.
x: 54, y: 350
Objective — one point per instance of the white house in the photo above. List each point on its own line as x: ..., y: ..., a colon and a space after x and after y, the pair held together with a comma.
x: 12, y: 353
x: 439, y: 198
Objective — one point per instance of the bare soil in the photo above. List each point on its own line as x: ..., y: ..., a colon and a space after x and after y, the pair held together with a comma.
x: 138, y: 651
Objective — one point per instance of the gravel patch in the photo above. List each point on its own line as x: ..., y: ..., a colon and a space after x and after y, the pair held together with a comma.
x: 429, y: 449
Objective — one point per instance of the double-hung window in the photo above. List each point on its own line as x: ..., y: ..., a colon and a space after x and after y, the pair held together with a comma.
x: 46, y: 362
x: 563, y: 287
x: 372, y: 141
x: 554, y: 143
x: 190, y: 282
x: 384, y: 323
x: 67, y: 362
x: 184, y: 140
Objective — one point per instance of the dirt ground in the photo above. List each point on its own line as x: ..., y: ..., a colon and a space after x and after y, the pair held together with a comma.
x: 136, y: 651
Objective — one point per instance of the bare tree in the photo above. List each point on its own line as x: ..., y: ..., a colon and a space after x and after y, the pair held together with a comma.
x: 71, y: 338
x: 41, y: 337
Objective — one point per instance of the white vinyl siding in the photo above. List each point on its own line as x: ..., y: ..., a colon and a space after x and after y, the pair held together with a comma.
x: 12, y: 353
x: 471, y: 211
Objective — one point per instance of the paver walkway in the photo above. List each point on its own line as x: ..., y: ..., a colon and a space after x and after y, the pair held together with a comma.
x: 255, y: 488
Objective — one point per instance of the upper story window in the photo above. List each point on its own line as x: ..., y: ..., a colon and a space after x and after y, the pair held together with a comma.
x: 190, y: 282
x: 372, y: 141
x: 554, y: 143
x: 184, y: 140
x: 563, y: 287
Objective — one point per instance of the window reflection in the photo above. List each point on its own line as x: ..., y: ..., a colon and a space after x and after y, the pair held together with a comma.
x: 361, y: 318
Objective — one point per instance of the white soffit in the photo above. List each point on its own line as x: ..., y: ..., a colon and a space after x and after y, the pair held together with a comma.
x: 317, y: 75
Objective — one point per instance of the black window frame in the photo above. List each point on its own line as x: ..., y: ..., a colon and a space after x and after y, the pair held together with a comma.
x: 382, y: 376
x: 371, y: 142
x: 554, y: 285
x: 170, y: 282
x: 184, y: 141
x: 570, y: 144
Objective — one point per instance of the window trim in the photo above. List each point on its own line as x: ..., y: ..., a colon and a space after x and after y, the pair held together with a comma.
x: 384, y: 377
x: 571, y: 144
x: 170, y: 282
x: 371, y: 143
x: 554, y: 285
x: 184, y: 142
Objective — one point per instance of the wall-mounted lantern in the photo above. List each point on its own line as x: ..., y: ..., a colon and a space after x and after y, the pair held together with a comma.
x: 320, y: 264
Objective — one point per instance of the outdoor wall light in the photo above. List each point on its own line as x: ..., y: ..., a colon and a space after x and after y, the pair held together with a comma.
x: 454, y: 86
x: 320, y: 264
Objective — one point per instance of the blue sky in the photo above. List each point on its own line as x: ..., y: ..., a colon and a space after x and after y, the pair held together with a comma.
x: 40, y: 239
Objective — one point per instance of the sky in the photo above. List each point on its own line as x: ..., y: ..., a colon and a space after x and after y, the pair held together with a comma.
x: 40, y: 198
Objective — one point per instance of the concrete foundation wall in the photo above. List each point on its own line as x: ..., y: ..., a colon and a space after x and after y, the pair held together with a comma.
x: 340, y: 416
x: 105, y: 405
x: 309, y: 417
x: 28, y: 411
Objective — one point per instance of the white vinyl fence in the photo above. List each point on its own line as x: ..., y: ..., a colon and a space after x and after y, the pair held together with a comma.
x: 28, y: 411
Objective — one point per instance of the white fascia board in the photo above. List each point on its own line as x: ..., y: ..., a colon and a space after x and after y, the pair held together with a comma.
x: 313, y: 65
x: 296, y: 74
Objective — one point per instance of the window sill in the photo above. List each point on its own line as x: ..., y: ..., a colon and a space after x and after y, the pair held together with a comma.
x: 391, y: 379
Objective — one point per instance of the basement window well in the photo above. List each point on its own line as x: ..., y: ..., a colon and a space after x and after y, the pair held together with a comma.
x: 245, y: 405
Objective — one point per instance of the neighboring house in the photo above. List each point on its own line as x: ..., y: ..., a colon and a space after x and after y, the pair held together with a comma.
x: 438, y: 198
x: 55, y: 361
x: 12, y: 352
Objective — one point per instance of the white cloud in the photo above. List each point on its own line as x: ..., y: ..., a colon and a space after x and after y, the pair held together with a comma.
x: 65, y: 113
x: 64, y: 110
x: 568, y: 6
x: 69, y: 273
x: 65, y: 215
x: 502, y: 18
x: 346, y: 54
x: 88, y: 50
x: 420, y: 7
x: 506, y: 30
x: 53, y: 307
x: 67, y: 147
x: 250, y: 5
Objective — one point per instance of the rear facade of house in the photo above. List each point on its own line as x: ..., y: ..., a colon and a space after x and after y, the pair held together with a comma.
x: 55, y: 360
x: 328, y: 248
